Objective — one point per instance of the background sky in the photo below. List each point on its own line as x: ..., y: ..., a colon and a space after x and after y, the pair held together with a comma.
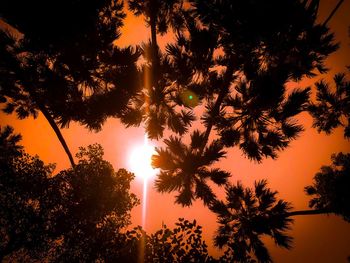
x: 316, y: 238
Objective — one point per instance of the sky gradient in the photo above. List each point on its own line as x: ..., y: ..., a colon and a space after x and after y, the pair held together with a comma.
x: 316, y: 238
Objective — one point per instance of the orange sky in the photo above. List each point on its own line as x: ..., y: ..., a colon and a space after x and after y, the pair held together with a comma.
x: 317, y: 238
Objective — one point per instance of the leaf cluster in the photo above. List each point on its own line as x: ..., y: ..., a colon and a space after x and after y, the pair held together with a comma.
x: 245, y: 216
x: 332, y: 106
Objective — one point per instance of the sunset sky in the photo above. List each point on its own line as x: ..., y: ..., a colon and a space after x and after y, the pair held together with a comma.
x: 316, y: 238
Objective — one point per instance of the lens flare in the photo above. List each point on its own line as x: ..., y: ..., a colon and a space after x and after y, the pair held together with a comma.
x: 140, y: 161
x: 140, y: 164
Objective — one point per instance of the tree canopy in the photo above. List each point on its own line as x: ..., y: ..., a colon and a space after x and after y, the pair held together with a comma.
x: 233, y: 60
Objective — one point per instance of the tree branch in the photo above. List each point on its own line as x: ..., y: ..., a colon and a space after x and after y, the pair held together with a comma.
x: 220, y: 99
x: 309, y: 212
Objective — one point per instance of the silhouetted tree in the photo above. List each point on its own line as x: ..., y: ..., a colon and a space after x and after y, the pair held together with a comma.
x: 65, y: 66
x: 159, y: 16
x: 97, y: 205
x: 330, y: 190
x: 77, y: 215
x: 186, y: 169
x: 23, y: 184
x: 236, y: 60
x: 247, y: 215
x: 332, y: 106
x: 155, y: 105
x: 233, y: 58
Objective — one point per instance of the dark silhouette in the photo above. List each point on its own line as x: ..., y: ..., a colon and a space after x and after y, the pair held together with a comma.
x: 245, y: 216
x: 23, y: 181
x: 66, y: 68
x: 79, y: 214
x: 75, y: 215
x: 243, y: 87
x: 155, y: 105
x: 159, y: 16
x: 182, y: 244
x: 27, y: 101
x: 186, y: 169
x: 332, y: 106
x: 233, y: 58
x: 330, y: 190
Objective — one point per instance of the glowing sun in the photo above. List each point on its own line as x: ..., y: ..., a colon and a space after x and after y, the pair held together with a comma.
x: 140, y: 160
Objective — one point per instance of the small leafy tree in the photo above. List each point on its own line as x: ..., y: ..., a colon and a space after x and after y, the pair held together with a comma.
x: 181, y: 244
x: 97, y: 205
x: 78, y: 214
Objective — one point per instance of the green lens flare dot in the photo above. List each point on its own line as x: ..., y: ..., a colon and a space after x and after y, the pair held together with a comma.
x: 190, y: 97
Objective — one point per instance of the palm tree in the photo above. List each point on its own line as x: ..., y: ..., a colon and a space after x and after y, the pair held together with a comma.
x: 159, y: 15
x: 259, y: 129
x: 242, y: 80
x: 155, y: 105
x: 186, y: 169
x: 28, y: 101
x: 83, y: 78
x: 332, y: 109
x: 246, y: 216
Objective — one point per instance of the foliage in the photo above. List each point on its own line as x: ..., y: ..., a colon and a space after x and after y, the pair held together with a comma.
x: 24, y: 209
x: 54, y: 64
x: 247, y: 215
x: 97, y: 203
x: 332, y: 106
x: 234, y: 59
x: 330, y: 190
x: 181, y: 244
x: 164, y: 13
x: 186, y: 169
x: 78, y: 214
x: 240, y: 80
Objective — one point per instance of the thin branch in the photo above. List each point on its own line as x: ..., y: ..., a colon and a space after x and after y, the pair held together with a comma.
x: 333, y: 12
x: 309, y: 212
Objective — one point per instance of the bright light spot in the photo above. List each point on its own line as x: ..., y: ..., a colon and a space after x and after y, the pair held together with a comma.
x: 190, y: 97
x: 140, y: 161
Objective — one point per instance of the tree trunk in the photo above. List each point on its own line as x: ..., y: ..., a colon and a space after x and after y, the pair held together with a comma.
x: 154, y: 44
x: 309, y: 212
x: 58, y: 133
x: 218, y: 102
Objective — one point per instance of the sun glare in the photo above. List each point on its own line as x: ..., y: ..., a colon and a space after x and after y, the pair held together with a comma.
x: 140, y: 161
